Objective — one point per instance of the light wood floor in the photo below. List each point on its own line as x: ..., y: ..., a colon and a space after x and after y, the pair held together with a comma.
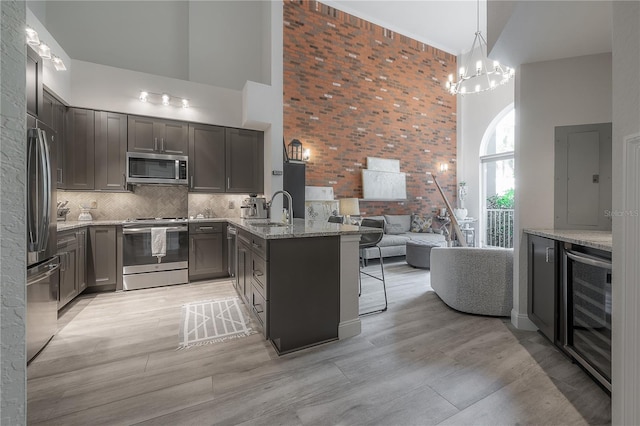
x: 114, y: 361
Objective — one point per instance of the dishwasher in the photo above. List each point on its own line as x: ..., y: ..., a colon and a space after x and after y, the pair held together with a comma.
x: 232, y: 232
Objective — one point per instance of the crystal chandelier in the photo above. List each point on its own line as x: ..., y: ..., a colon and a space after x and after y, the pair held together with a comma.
x: 478, y: 73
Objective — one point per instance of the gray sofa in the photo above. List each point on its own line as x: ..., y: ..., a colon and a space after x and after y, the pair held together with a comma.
x: 397, y: 233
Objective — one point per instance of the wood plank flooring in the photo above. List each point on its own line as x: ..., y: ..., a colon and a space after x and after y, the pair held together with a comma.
x: 114, y: 361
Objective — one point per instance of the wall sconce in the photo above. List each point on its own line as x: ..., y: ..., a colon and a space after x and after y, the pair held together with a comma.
x: 164, y: 99
x: 306, y: 154
x: 295, y: 151
x: 43, y: 49
x: 444, y: 167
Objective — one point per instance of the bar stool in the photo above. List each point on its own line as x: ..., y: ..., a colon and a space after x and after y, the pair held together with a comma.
x: 367, y: 241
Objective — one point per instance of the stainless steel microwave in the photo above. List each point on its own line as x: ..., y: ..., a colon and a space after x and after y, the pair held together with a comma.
x: 156, y: 169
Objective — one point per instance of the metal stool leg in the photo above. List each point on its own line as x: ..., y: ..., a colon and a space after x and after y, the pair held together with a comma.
x: 384, y: 285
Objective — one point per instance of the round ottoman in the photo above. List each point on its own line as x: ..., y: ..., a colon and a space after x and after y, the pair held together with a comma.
x: 419, y: 253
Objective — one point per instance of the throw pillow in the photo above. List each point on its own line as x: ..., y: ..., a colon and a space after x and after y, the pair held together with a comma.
x: 394, y: 229
x: 404, y: 220
x: 420, y: 223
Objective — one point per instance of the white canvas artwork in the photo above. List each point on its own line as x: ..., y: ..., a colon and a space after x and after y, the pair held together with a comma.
x: 383, y: 164
x: 378, y: 185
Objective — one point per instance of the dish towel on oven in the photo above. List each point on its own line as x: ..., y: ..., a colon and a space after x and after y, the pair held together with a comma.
x: 159, y: 242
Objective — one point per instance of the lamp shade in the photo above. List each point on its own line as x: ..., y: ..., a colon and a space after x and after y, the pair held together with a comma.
x: 349, y: 207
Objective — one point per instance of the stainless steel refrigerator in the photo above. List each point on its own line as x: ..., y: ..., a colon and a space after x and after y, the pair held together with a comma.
x: 42, y: 263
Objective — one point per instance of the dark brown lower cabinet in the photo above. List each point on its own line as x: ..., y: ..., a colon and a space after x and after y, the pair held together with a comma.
x: 72, y: 254
x: 543, y: 289
x: 68, y: 254
x: 207, y: 251
x: 292, y: 288
x: 103, y: 264
x: 243, y: 278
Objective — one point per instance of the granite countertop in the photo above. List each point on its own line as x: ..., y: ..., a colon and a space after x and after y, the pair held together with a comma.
x: 595, y: 239
x: 75, y: 224
x: 301, y: 229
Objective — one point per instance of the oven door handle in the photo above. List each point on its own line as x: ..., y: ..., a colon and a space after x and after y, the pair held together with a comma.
x: 588, y: 260
x: 148, y: 230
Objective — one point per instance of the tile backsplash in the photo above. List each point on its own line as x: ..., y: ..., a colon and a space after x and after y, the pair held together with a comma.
x: 151, y: 201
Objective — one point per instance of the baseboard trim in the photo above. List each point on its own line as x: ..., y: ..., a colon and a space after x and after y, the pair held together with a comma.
x: 349, y: 328
x: 522, y: 322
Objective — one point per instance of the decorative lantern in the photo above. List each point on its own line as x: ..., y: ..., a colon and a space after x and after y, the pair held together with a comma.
x: 295, y: 150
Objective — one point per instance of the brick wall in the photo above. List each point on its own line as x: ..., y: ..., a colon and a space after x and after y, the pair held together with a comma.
x: 354, y: 90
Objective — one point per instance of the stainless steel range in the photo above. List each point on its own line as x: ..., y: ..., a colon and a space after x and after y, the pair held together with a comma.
x: 143, y: 265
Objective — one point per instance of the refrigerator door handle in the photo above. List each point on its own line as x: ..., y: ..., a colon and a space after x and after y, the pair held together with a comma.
x: 46, y: 185
x: 32, y: 201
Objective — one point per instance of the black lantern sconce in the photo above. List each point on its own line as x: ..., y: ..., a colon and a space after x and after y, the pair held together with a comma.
x: 295, y: 151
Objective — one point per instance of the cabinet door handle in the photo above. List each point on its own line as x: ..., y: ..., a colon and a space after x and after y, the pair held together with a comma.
x: 547, y: 250
x: 60, y: 176
x: 258, y: 308
x: 124, y: 181
x: 191, y: 182
x: 205, y: 228
x: 155, y: 144
x: 228, y: 182
x: 63, y: 264
x: 256, y: 246
x: 162, y: 144
x: 257, y: 273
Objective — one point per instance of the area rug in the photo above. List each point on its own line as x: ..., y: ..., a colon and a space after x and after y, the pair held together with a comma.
x: 212, y: 321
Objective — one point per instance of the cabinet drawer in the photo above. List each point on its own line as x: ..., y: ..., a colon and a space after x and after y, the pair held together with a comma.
x: 206, y: 227
x: 259, y: 274
x: 258, y: 245
x: 259, y: 308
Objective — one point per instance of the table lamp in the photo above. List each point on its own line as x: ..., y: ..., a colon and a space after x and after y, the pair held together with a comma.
x: 349, y: 207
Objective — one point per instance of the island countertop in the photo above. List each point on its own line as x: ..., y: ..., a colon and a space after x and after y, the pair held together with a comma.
x: 301, y: 229
x: 595, y: 239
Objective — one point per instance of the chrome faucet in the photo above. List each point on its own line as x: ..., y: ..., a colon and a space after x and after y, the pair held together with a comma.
x: 284, y: 193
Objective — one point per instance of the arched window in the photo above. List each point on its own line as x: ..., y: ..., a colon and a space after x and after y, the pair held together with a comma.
x: 497, y: 165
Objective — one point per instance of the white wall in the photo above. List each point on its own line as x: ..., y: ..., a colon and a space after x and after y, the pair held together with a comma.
x: 13, y: 229
x: 115, y: 89
x: 219, y: 43
x: 146, y: 36
x: 626, y: 236
x: 226, y: 41
x: 476, y: 112
x: 58, y: 82
x: 553, y: 93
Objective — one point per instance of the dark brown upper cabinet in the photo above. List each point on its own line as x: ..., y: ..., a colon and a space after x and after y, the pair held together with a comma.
x: 54, y: 115
x: 154, y: 135
x: 111, y: 151
x: 206, y: 158
x: 79, y: 150
x: 244, y: 161
x: 34, y: 83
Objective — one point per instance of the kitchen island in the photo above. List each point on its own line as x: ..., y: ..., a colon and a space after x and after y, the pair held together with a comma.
x: 300, y: 281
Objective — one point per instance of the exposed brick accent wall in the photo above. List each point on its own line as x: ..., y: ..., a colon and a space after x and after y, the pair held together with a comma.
x: 353, y: 90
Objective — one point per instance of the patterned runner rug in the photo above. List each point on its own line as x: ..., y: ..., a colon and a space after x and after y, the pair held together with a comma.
x: 212, y: 321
